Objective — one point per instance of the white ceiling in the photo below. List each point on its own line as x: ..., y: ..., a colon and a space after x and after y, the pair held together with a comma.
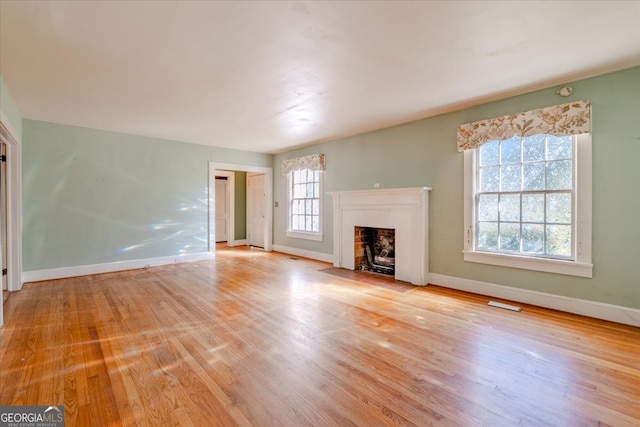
x: 266, y: 76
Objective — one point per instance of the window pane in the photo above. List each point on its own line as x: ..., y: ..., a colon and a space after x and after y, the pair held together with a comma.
x: 305, y: 201
x: 533, y: 208
x: 489, y: 154
x: 488, y: 207
x: 510, y: 207
x: 533, y: 176
x: 559, y: 240
x: 533, y: 148
x: 489, y: 178
x: 533, y: 238
x: 558, y: 147
x: 510, y: 150
x: 559, y: 208
x: 559, y: 175
x: 488, y: 235
x: 531, y: 181
x: 509, y: 237
x: 510, y: 177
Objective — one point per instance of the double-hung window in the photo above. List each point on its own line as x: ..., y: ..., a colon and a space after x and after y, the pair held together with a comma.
x: 528, y: 192
x: 304, y: 211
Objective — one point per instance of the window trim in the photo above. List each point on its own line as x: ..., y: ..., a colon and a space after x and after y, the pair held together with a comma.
x: 306, y: 235
x: 582, y: 232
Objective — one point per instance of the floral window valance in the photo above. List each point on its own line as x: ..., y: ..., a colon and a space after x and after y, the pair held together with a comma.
x: 313, y: 161
x: 572, y: 118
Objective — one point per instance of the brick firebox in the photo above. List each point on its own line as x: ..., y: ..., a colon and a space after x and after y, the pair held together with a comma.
x: 381, y: 249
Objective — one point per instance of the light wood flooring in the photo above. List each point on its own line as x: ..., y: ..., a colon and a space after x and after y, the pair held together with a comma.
x: 265, y: 339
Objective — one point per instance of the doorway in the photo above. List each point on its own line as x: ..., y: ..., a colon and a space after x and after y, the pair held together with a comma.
x: 267, y: 227
x: 11, y: 210
x: 3, y: 216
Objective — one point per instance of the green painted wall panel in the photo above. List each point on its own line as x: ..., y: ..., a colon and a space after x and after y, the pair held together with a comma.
x: 93, y: 197
x: 424, y: 153
x: 240, y: 208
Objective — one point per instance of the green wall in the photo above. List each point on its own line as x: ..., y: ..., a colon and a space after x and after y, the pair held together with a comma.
x: 240, y: 206
x: 91, y: 196
x: 424, y: 153
x: 10, y: 111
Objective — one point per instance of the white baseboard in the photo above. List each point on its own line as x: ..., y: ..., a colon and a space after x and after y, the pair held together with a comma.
x: 82, y: 270
x: 319, y: 256
x: 599, y: 310
x: 234, y: 243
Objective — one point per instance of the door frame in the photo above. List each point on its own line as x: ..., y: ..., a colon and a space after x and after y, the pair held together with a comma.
x: 13, y: 235
x: 214, y: 168
x: 231, y: 201
x: 4, y: 248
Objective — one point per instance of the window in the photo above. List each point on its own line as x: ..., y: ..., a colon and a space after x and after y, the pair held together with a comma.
x: 304, y: 193
x: 524, y: 193
x: 305, y: 207
x: 528, y: 203
x: 527, y: 189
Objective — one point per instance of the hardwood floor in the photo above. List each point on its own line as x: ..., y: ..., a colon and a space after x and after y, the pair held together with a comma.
x: 259, y: 339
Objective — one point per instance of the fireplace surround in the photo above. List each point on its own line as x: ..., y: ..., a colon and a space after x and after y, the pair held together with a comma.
x: 405, y: 210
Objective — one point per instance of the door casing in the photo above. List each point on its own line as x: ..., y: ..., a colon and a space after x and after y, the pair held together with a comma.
x: 13, y: 206
x: 217, y: 168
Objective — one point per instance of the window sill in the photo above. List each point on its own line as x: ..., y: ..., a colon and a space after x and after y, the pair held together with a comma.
x: 570, y: 268
x: 307, y: 236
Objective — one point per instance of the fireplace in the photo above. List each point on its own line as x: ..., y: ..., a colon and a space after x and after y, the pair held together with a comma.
x: 403, y: 210
x: 374, y: 250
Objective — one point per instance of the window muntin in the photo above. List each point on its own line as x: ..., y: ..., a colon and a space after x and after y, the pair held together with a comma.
x: 524, y: 197
x: 305, y: 188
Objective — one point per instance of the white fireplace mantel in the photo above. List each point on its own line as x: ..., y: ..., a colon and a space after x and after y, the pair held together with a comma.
x: 406, y: 210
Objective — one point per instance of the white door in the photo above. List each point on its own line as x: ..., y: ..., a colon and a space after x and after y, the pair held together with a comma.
x: 222, y: 210
x: 255, y: 210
